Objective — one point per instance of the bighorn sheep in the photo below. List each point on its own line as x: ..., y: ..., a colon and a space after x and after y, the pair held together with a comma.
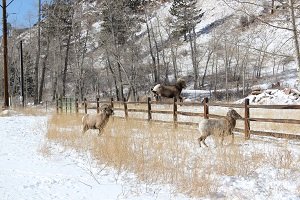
x: 218, y: 127
x: 97, y: 121
x: 169, y: 91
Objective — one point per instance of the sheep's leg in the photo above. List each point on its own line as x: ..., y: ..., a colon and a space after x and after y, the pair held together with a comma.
x: 199, y: 141
x: 222, y: 139
x: 202, y: 139
x: 232, y: 139
x: 180, y: 99
x: 85, y: 128
x: 99, y: 134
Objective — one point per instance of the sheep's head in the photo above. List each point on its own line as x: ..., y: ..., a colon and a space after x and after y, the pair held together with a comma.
x: 107, y: 109
x: 233, y: 114
x: 181, y: 83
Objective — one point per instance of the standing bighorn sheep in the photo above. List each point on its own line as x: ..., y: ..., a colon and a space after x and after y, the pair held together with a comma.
x: 97, y: 121
x: 218, y: 127
x: 169, y: 91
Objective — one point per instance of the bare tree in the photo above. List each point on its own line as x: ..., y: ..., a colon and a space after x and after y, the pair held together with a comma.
x: 291, y: 25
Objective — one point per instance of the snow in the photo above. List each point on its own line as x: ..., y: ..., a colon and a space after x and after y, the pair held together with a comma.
x: 33, y: 168
x: 25, y: 173
x: 273, y: 97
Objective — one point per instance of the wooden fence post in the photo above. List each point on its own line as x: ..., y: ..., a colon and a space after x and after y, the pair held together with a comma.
x: 66, y: 103
x: 71, y: 105
x: 205, y: 107
x: 57, y: 105
x: 76, y: 105
x: 149, y: 108
x: 247, y: 122
x: 112, y: 102
x: 85, y: 105
x: 97, y: 100
x: 61, y: 104
x: 175, y: 112
x: 125, y: 108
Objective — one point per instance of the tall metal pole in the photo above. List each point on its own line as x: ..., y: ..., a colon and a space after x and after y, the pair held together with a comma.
x: 22, y: 74
x: 5, y: 73
x: 37, y: 61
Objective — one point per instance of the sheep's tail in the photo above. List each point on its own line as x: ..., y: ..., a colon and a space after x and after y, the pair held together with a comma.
x: 84, y: 118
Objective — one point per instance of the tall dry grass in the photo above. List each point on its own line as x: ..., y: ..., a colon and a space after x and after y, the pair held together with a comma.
x: 160, y: 154
x: 32, y: 111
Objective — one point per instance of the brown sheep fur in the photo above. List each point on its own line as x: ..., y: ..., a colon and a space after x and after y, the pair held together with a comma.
x: 97, y: 121
x: 218, y: 127
x: 169, y: 91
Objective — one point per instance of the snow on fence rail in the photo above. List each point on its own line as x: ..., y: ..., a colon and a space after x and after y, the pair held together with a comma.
x: 205, y: 114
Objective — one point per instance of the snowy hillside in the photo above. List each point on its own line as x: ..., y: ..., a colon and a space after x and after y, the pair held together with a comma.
x: 234, y: 46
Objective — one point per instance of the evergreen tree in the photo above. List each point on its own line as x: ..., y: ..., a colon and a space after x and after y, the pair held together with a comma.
x: 187, y: 15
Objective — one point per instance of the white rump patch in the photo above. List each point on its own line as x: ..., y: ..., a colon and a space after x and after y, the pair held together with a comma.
x: 155, y: 89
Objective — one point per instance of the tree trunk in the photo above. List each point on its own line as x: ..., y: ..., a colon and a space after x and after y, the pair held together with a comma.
x: 174, y: 61
x: 272, y: 7
x: 44, y: 71
x: 80, y: 81
x: 296, y: 42
x: 216, y: 76
x: 196, y: 74
x: 195, y: 55
x: 152, y: 54
x: 226, y: 69
x: 206, y: 66
x: 54, y: 87
x: 157, y: 53
x: 120, y: 81
x: 64, y: 75
x: 114, y: 77
x: 166, y: 65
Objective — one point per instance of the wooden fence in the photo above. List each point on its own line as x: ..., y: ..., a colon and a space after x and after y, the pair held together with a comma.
x: 205, y: 104
x: 66, y: 104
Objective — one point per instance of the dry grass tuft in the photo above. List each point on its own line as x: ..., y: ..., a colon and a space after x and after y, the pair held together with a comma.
x: 45, y: 150
x: 31, y: 111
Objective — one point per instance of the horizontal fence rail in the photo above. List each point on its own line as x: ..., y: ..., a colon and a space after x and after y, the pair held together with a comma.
x: 123, y: 106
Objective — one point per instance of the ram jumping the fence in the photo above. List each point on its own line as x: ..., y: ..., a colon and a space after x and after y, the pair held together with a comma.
x: 169, y: 91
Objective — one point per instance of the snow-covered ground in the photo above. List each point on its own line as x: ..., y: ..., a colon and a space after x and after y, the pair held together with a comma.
x: 33, y: 168
x: 29, y: 171
x: 273, y: 97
